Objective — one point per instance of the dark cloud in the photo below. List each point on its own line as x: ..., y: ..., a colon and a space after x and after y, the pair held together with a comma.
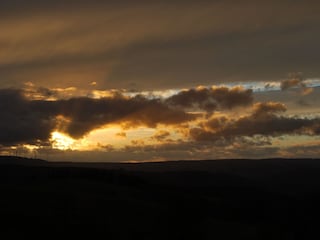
x: 210, y: 99
x: 28, y: 121
x: 22, y: 121
x: 121, y: 134
x: 264, y: 120
x: 296, y: 80
x: 161, y: 135
x: 86, y: 114
x: 28, y: 118
x: 25, y: 120
x: 267, y: 109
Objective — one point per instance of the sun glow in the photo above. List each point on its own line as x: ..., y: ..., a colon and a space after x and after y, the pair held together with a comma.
x: 61, y: 141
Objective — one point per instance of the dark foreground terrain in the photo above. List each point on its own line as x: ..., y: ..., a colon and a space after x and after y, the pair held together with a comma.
x: 229, y: 199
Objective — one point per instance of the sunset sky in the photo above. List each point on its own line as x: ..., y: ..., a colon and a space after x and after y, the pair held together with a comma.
x: 159, y: 80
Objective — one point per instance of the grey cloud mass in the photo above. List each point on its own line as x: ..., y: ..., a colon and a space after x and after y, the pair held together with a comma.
x: 152, y: 45
x: 264, y: 120
x: 32, y: 121
x: 210, y: 99
x: 27, y: 121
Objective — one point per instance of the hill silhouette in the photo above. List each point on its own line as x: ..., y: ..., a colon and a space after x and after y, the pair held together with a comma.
x: 15, y: 160
x: 227, y: 199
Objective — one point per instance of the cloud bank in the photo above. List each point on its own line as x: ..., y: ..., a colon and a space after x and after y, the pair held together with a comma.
x: 264, y: 120
x: 200, y: 114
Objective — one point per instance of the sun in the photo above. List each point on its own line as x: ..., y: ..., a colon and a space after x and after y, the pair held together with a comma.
x: 61, y: 141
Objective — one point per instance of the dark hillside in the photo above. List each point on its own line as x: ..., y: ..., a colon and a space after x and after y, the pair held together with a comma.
x: 265, y: 199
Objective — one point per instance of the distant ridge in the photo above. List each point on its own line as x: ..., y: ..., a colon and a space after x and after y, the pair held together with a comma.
x: 225, y: 165
x: 15, y: 160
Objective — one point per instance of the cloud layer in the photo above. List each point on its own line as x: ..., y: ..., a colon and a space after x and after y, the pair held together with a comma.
x: 200, y: 114
x: 25, y: 120
x: 148, y: 45
x: 29, y: 121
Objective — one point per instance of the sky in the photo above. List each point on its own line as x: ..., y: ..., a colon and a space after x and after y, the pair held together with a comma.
x: 133, y: 81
